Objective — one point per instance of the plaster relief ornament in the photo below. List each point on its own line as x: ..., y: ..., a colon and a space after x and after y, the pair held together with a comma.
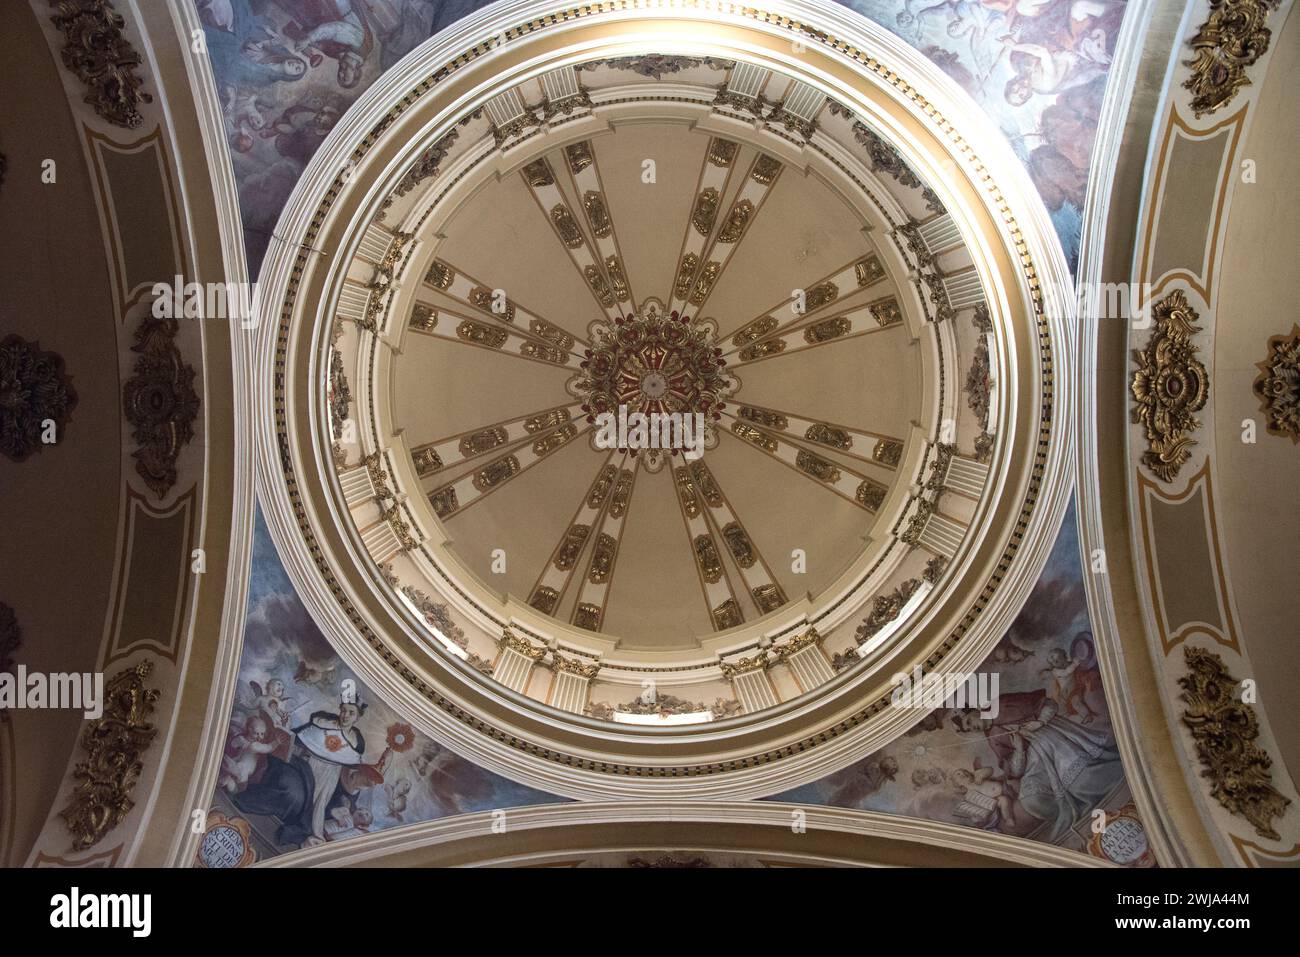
x: 1278, y: 385
x: 115, y: 746
x: 1169, y: 386
x: 160, y: 403
x: 34, y: 391
x: 1225, y: 730
x: 1233, y: 38
x: 102, y: 58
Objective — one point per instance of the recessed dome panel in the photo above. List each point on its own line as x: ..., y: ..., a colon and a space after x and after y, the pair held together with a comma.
x: 585, y: 419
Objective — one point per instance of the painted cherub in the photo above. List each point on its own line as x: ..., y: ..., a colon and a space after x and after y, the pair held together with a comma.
x: 1061, y: 667
x: 271, y: 699
x: 1070, y: 686
x: 344, y: 819
x: 985, y: 800
x: 245, y: 755
x: 397, y: 792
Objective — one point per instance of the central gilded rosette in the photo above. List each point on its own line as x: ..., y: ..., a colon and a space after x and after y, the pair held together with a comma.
x: 655, y: 364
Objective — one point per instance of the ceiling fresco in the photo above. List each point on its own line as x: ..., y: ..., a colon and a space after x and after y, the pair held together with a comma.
x: 287, y: 73
x: 287, y: 70
x: 675, y: 434
x: 292, y: 683
x: 1036, y: 768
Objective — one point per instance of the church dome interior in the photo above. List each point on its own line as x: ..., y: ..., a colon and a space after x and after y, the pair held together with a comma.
x: 631, y: 427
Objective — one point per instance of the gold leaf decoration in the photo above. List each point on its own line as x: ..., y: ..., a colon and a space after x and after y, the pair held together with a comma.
x: 424, y: 318
x: 871, y: 495
x: 737, y: 220
x: 566, y: 226
x: 685, y: 275
x: 160, y: 403
x: 826, y: 330
x: 427, y: 461
x: 599, y: 286
x: 597, y: 213
x: 496, y: 472
x: 443, y: 501
x: 579, y: 156
x: 766, y: 170
x: 546, y: 420
x: 829, y: 435
x: 773, y: 420
x: 538, y: 173
x: 705, y: 211
x: 574, y: 539
x: 1233, y: 38
x: 544, y: 599
x: 727, y: 615
x: 768, y: 597
x: 1278, y: 385
x: 1169, y: 386
x: 706, y: 556
x: 755, y: 436
x: 754, y: 330
x: 722, y: 152
x: 482, y: 335
x: 742, y: 549
x: 817, y: 467
x: 886, y: 312
x: 1224, y: 729
x: 704, y: 285
x: 484, y: 440
x: 440, y: 275
x: 115, y: 745
x: 868, y: 271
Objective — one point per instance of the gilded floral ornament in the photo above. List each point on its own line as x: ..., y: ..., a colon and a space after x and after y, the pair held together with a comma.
x: 1232, y: 38
x: 886, y: 608
x: 102, y: 58
x: 34, y: 389
x: 115, y: 744
x: 1278, y: 385
x: 655, y: 66
x: 1224, y: 729
x: 661, y: 704
x: 1169, y: 386
x: 160, y: 403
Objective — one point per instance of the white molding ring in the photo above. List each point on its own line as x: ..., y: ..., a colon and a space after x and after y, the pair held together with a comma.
x: 768, y: 826
x: 801, y: 764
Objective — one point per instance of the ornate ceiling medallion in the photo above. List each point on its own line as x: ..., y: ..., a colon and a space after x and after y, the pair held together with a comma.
x: 1278, y: 385
x: 653, y: 363
x: 1169, y: 386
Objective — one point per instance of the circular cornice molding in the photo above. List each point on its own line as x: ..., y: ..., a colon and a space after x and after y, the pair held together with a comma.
x: 550, y: 834
x: 941, y: 134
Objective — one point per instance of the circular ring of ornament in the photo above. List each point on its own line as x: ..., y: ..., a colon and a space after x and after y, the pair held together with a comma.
x: 360, y: 532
